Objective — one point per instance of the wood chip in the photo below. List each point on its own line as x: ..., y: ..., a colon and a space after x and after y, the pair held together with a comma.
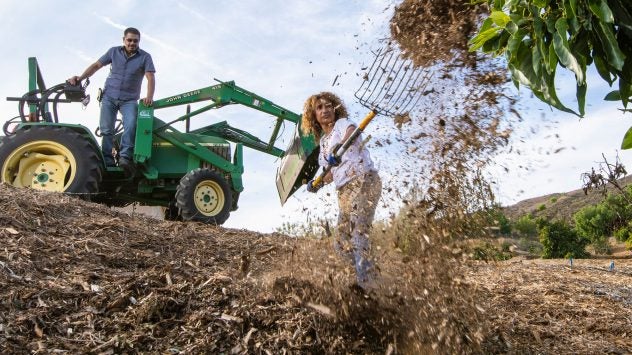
x: 320, y: 308
x: 230, y: 318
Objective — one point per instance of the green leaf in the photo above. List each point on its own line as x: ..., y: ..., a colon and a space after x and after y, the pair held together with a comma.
x: 550, y: 24
x: 537, y: 61
x: 581, y: 98
x: 579, y: 44
x: 571, y: 17
x: 574, y: 24
x: 625, y: 89
x: 552, y: 64
x: 565, y: 56
x: 491, y: 46
x: 480, y: 39
x: 602, y: 69
x: 524, y: 68
x: 623, y: 16
x: 615, y: 57
x: 514, y: 42
x: 487, y: 24
x: 600, y: 9
x: 502, y: 42
x: 511, y: 27
x: 514, y: 80
x: 542, y: 86
x: 626, y: 73
x: 500, y: 18
x: 538, y: 27
x: 614, y: 95
x: 627, y: 140
x: 572, y: 6
x: 518, y: 19
x: 540, y: 3
x: 523, y: 73
x: 549, y: 95
x: 513, y: 3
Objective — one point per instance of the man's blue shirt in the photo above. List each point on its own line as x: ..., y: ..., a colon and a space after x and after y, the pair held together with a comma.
x: 126, y: 73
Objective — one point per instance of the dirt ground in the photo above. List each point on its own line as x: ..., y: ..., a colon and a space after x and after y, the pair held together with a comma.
x: 547, y: 307
x: 77, y: 277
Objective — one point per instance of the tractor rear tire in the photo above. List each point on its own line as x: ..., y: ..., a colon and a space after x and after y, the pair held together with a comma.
x: 204, y: 196
x: 51, y: 158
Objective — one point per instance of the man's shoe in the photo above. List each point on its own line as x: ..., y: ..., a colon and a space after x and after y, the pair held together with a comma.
x: 128, y: 166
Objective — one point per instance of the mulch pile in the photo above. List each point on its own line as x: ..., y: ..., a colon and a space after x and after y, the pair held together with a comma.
x: 79, y: 277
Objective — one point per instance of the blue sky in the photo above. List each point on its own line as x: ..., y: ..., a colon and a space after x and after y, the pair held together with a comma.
x: 281, y: 50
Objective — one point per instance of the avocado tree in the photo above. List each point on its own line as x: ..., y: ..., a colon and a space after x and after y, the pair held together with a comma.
x: 538, y: 36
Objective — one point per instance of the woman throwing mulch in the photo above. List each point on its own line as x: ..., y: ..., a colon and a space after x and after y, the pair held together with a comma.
x: 355, y: 176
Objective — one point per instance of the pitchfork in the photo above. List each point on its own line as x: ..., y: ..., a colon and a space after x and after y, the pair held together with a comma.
x: 391, y: 87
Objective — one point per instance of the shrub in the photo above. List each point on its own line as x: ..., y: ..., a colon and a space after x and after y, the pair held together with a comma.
x: 619, y: 208
x: 602, y: 246
x: 493, y: 219
x: 595, y: 223
x: 504, y: 224
x: 559, y: 240
x: 542, y: 207
x: 610, y: 217
x: 532, y: 246
x: 489, y: 252
x: 526, y: 226
x: 622, y: 234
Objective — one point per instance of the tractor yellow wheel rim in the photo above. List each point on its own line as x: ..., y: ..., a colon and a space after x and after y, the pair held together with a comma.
x: 209, y: 198
x: 41, y: 165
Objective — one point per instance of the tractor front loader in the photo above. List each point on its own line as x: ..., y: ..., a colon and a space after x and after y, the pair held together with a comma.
x: 191, y: 173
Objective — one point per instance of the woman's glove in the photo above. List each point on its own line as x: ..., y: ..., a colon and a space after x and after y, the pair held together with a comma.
x: 333, y: 160
x: 313, y: 188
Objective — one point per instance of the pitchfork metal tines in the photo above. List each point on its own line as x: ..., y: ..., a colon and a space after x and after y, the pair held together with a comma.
x: 392, y: 84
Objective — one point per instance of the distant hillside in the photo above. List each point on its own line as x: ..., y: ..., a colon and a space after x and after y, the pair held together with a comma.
x: 559, y: 205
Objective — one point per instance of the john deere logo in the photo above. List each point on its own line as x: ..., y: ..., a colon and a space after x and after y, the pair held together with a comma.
x: 144, y: 113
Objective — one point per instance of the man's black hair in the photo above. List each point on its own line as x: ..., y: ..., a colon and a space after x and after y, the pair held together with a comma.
x: 131, y: 30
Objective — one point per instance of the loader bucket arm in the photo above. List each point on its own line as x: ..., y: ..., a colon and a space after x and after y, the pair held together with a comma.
x: 298, y: 161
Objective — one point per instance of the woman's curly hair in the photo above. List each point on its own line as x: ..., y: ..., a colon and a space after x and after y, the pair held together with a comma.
x: 309, y: 122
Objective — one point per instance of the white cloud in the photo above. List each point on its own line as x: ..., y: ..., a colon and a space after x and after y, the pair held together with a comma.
x: 553, y: 159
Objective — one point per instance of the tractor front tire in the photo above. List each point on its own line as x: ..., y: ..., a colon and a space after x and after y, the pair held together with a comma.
x: 51, y: 158
x: 204, y: 196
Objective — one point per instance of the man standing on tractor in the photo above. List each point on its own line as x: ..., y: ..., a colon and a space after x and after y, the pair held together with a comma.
x: 129, y: 64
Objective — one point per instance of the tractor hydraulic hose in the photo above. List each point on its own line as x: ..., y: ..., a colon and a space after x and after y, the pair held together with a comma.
x: 5, y: 126
x: 44, y: 99
x: 28, y: 97
x: 55, y: 102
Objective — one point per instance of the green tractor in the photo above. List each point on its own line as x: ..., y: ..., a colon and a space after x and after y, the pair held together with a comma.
x: 192, y: 174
